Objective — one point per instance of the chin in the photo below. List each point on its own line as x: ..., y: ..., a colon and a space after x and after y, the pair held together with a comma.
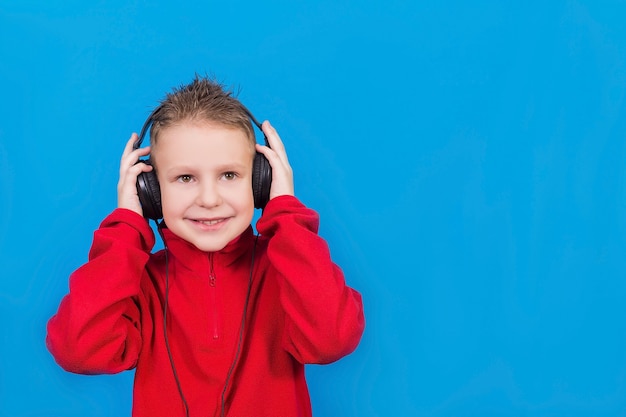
x: 210, y: 247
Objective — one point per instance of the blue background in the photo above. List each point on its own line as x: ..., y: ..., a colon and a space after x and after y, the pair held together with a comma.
x: 467, y: 160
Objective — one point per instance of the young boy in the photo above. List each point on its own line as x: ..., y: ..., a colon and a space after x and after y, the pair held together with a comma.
x: 220, y: 322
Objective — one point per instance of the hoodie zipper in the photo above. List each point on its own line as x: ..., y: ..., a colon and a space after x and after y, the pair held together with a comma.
x: 213, y: 290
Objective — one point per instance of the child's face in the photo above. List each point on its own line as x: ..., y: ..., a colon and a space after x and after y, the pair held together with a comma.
x: 205, y: 174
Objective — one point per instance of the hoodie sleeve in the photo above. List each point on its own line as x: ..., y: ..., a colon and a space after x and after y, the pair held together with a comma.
x: 324, y: 316
x: 97, y: 326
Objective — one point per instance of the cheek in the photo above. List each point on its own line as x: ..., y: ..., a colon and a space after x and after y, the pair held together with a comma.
x: 243, y: 198
x: 171, y: 201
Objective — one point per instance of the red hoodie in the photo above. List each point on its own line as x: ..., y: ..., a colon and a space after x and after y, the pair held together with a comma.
x: 299, y: 311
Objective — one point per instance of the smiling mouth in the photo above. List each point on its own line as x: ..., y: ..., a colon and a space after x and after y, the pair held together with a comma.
x: 209, y: 222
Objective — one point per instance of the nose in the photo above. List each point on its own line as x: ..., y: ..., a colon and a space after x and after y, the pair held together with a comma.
x: 208, y: 195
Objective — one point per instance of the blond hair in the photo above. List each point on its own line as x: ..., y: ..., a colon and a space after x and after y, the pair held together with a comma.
x: 202, y: 100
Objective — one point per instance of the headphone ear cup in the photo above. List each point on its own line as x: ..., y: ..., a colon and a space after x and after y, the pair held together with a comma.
x: 261, y: 180
x: 149, y: 193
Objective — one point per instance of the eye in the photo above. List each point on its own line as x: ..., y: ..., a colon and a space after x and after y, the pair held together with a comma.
x: 229, y: 176
x: 184, y: 178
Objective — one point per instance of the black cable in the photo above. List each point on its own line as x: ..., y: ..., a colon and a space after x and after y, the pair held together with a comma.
x: 167, y: 344
x: 241, y: 330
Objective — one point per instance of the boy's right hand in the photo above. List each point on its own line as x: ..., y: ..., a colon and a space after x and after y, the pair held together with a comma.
x: 129, y: 170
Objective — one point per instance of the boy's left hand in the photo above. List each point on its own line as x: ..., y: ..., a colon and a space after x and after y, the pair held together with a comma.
x: 282, y: 174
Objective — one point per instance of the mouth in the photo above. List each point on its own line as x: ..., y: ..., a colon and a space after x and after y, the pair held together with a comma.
x: 209, y: 224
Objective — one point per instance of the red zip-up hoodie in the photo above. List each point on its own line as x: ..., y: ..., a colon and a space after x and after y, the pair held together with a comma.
x: 298, y: 311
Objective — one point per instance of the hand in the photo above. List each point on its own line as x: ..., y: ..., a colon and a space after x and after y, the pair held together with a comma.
x: 129, y: 170
x: 282, y: 174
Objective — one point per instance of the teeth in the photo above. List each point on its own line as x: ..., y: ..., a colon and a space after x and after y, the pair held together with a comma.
x: 209, y: 222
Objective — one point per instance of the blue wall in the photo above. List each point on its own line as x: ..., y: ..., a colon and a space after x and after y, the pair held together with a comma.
x: 468, y: 160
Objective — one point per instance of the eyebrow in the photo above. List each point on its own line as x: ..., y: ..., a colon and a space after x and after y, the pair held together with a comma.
x: 235, y: 166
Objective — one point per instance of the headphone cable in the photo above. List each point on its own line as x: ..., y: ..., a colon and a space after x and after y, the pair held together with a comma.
x: 241, y: 330
x: 167, y: 344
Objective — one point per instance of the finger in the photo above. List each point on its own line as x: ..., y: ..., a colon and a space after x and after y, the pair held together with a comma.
x: 130, y: 155
x: 131, y: 165
x: 276, y: 160
x: 273, y: 137
x: 141, y: 152
x: 269, y: 153
x: 130, y: 144
x: 282, y: 174
x: 128, y: 177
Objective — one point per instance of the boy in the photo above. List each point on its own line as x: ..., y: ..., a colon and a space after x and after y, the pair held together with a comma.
x: 220, y: 322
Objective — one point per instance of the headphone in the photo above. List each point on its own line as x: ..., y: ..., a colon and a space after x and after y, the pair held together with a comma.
x: 149, y: 192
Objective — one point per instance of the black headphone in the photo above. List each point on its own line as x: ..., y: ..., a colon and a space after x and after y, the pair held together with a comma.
x: 149, y: 192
